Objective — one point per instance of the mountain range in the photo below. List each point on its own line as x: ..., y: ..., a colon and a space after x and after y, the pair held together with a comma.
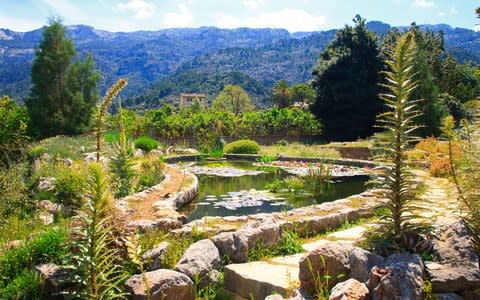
x: 161, y: 64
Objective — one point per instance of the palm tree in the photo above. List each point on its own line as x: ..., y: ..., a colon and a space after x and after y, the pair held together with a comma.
x: 281, y: 95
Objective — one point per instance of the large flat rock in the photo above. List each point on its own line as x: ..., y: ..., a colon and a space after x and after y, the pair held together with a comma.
x: 261, y: 278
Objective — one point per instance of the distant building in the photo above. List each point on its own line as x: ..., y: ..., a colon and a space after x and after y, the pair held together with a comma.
x: 301, y: 105
x: 187, y: 99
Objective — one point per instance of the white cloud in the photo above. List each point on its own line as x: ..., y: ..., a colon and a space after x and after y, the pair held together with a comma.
x: 140, y: 8
x: 182, y: 18
x: 453, y: 11
x: 291, y: 19
x: 252, y: 4
x: 424, y: 3
x: 477, y: 28
x: 19, y: 24
x: 67, y: 10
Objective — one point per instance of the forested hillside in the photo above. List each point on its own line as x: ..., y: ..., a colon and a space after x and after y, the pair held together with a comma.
x: 161, y: 64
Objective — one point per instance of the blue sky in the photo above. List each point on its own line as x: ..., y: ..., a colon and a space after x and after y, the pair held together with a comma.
x: 294, y: 15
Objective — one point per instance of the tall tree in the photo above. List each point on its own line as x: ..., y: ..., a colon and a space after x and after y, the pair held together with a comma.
x: 63, y: 92
x: 281, y: 94
x: 429, y: 67
x: 233, y: 98
x: 302, y: 92
x: 346, y: 81
x: 13, y: 127
x: 427, y: 63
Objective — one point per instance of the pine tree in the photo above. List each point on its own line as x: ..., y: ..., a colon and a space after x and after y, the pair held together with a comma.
x: 63, y: 93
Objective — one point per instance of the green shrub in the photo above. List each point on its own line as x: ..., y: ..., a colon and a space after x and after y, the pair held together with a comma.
x: 294, y: 184
x: 242, y: 147
x: 146, y: 143
x: 151, y: 174
x: 282, y: 143
x: 69, y: 187
x: 27, y: 285
x: 36, y: 151
x: 16, y: 263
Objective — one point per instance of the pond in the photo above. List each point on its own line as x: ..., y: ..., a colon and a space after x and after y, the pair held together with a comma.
x: 248, y: 194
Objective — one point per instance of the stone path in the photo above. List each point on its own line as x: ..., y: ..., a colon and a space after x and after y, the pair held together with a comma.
x: 142, y: 203
x: 280, y: 274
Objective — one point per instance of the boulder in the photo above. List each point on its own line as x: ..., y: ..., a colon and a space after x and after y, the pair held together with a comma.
x: 164, y: 224
x: 456, y: 266
x: 402, y: 278
x: 448, y: 296
x: 55, y: 208
x: 237, y: 245
x: 153, y: 257
x: 139, y: 153
x: 265, y: 232
x: 167, y: 224
x: 45, y: 157
x: 351, y: 289
x: 68, y: 162
x: 44, y: 204
x: 46, y: 184
x: 200, y: 262
x: 54, y: 277
x: 274, y: 297
x: 163, y: 285
x: 156, y: 152
x: 169, y: 150
x: 361, y: 262
x: 234, y: 246
x: 330, y: 258
x: 46, y: 217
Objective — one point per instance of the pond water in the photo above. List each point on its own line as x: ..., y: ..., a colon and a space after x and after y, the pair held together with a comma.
x: 234, y: 196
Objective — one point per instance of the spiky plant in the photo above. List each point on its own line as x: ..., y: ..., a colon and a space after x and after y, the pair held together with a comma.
x: 121, y: 165
x: 104, y: 105
x: 466, y: 174
x: 395, y: 182
x: 94, y: 266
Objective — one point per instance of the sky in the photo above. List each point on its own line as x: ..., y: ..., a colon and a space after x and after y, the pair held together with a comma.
x: 293, y: 15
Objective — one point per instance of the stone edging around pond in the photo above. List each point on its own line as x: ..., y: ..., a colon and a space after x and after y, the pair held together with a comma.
x: 308, y: 220
x: 256, y: 157
x: 166, y: 216
x: 259, y: 230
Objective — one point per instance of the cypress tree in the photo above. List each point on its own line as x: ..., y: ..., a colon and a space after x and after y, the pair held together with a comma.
x: 63, y: 92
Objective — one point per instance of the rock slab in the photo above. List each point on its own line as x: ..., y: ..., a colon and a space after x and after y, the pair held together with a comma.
x: 456, y: 268
x: 153, y: 257
x: 200, y: 261
x: 163, y: 284
x: 351, y: 289
x: 330, y: 258
x: 260, y: 278
x: 361, y: 262
x: 402, y: 278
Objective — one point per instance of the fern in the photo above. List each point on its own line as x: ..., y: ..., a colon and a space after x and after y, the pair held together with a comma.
x: 396, y: 182
x: 105, y: 104
x: 94, y: 266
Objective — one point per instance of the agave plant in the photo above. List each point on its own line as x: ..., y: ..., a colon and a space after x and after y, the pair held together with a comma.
x: 395, y: 181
